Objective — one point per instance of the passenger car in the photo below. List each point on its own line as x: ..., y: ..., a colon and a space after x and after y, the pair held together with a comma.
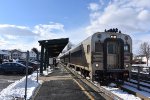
x: 14, y: 67
x: 102, y: 56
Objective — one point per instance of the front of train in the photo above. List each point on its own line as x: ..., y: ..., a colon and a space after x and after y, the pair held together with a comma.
x: 115, y: 49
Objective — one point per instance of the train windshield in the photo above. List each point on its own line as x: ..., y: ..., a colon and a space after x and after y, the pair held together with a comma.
x: 113, y: 55
x: 111, y: 48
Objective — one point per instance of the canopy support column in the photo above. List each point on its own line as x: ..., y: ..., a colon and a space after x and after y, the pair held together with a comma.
x: 41, y: 63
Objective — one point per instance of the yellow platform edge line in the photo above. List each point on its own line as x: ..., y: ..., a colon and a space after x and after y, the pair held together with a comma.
x: 83, y: 89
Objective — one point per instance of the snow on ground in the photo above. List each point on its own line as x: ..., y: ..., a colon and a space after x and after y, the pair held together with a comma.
x: 17, y: 89
x: 143, y: 72
x: 88, y: 78
x: 143, y: 65
x: 47, y: 71
x: 121, y: 93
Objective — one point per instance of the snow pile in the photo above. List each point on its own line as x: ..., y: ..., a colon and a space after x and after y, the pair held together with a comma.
x: 95, y: 83
x: 47, y: 71
x: 17, y: 89
x: 121, y: 93
x: 88, y: 78
x: 112, y: 85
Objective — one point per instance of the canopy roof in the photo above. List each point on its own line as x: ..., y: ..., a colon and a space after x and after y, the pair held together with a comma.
x: 54, y: 46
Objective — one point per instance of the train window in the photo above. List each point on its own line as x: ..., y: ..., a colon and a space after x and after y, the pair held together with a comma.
x: 88, y: 48
x: 111, y: 49
x: 126, y: 48
x: 98, y: 47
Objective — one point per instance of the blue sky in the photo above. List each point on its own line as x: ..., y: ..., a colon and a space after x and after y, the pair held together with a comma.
x: 24, y: 22
x: 71, y: 13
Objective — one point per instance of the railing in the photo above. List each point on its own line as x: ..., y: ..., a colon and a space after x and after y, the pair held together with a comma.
x: 141, y: 74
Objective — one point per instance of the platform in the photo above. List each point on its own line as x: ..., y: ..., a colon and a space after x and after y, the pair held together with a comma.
x: 59, y: 85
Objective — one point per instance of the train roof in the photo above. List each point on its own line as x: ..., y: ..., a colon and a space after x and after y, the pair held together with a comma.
x: 90, y: 37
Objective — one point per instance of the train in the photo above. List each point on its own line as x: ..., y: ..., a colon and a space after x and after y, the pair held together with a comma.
x: 102, y: 57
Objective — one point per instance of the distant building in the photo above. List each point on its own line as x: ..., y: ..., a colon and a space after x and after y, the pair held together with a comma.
x: 16, y: 54
x: 32, y: 55
x: 23, y: 55
x: 139, y: 59
x: 5, y: 54
x: 2, y: 54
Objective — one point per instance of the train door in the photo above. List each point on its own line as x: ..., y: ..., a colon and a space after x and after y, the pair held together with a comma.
x: 113, y: 55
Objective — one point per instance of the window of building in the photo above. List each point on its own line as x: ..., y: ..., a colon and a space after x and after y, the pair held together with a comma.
x: 88, y: 48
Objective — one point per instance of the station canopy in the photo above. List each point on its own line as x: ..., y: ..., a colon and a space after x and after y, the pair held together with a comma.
x: 54, y: 46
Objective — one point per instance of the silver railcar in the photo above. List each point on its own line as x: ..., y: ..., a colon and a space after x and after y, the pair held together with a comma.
x: 102, y: 56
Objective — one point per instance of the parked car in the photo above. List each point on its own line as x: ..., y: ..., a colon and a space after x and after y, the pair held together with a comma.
x: 34, y: 65
x: 14, y: 67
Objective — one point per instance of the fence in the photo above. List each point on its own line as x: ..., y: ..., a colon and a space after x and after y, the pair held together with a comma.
x: 141, y: 74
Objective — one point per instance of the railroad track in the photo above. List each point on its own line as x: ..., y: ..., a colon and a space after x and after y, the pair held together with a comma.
x: 96, y: 87
x: 108, y: 95
x: 133, y: 85
x: 144, y: 82
x: 143, y: 86
x: 143, y: 77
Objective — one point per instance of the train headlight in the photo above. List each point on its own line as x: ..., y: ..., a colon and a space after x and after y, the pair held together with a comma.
x: 126, y: 65
x: 125, y: 74
x: 96, y: 65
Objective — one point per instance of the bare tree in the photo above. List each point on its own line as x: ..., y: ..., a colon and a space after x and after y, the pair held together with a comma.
x: 145, y: 50
x: 37, y: 53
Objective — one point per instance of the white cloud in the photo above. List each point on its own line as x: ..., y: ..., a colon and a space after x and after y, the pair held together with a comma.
x: 13, y: 26
x: 15, y: 30
x: 144, y: 15
x: 47, y: 31
x: 122, y: 14
x: 130, y: 16
x: 93, y: 6
x: 12, y: 37
x: 25, y: 38
x: 56, y: 30
x: 144, y: 4
x: 96, y: 6
x: 77, y: 35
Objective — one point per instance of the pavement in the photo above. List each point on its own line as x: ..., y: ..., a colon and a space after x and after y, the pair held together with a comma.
x: 59, y: 85
x: 7, y: 79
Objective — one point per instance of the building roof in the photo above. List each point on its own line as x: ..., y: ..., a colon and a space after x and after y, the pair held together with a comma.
x: 2, y: 52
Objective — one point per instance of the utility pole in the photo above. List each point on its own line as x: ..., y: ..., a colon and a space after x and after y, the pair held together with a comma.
x: 27, y: 60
